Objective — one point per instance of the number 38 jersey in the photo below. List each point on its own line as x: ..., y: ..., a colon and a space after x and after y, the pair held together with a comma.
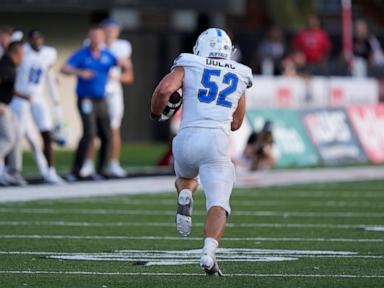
x: 211, y: 90
x: 31, y: 74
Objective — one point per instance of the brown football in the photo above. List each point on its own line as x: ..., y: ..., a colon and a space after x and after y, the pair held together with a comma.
x: 175, y: 98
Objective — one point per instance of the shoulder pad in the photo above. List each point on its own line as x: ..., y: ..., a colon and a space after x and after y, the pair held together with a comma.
x: 246, y: 73
x: 186, y: 60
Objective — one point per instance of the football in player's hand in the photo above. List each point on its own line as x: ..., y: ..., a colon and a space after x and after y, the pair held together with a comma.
x: 175, y: 98
x: 173, y: 105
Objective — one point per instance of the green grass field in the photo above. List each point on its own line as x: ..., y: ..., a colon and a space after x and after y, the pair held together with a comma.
x: 330, y: 217
x: 132, y: 155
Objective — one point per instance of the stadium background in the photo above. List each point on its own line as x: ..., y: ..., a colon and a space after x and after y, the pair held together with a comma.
x: 290, y: 227
x: 159, y: 30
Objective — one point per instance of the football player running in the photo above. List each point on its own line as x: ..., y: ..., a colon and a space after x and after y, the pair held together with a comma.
x: 213, y: 89
x: 30, y: 105
x: 121, y: 49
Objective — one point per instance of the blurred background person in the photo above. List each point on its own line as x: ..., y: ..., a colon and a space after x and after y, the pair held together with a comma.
x: 366, y: 46
x: 5, y: 38
x: 271, y: 51
x: 32, y: 108
x: 10, y: 145
x: 122, y: 50
x: 294, y: 64
x: 91, y: 65
x: 258, y: 152
x: 313, y: 42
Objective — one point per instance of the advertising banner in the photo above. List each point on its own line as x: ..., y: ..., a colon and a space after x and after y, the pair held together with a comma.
x: 333, y: 136
x: 292, y: 144
x: 368, y: 122
x: 298, y: 92
x: 345, y: 91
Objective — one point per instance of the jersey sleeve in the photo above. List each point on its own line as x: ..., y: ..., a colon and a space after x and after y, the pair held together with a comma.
x: 126, y: 49
x: 184, y: 60
x: 247, y: 76
x: 75, y: 59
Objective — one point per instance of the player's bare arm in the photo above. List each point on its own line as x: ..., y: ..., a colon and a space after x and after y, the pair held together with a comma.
x: 169, y: 84
x: 238, y: 115
x: 67, y: 69
x: 127, y: 76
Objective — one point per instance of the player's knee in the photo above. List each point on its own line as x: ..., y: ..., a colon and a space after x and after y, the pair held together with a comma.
x: 222, y: 203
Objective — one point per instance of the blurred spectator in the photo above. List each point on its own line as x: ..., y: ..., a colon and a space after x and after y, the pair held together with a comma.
x: 10, y: 145
x: 34, y: 74
x: 294, y: 64
x: 5, y: 38
x: 271, y: 51
x: 313, y: 42
x: 258, y: 153
x: 91, y: 64
x: 366, y: 45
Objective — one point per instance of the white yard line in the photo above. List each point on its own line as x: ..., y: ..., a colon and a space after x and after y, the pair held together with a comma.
x: 170, y: 224
x: 245, y: 203
x: 148, y: 255
x: 172, y: 238
x: 144, y: 212
x: 191, y: 274
x: 165, y: 183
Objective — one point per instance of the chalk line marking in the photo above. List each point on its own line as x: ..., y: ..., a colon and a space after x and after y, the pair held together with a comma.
x: 374, y: 228
x: 245, y: 203
x: 169, y: 224
x: 201, y: 213
x: 183, y: 257
x: 173, y: 238
x: 191, y: 274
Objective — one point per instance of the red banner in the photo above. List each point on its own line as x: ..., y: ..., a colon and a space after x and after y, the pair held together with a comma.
x: 368, y: 121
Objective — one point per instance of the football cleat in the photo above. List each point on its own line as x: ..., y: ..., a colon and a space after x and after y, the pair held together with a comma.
x: 52, y: 177
x: 88, y: 169
x: 209, y: 265
x: 115, y: 170
x: 184, y: 215
x: 14, y: 179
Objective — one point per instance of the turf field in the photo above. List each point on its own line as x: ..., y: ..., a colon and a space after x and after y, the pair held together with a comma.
x: 296, y: 236
x: 132, y: 155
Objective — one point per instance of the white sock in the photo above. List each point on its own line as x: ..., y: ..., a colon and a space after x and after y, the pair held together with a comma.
x: 114, y: 162
x: 184, y: 195
x: 210, y: 246
x: 52, y: 170
x: 89, y: 162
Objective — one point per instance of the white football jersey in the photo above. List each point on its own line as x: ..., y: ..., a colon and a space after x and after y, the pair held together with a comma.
x: 211, y: 90
x: 120, y: 49
x: 32, y: 71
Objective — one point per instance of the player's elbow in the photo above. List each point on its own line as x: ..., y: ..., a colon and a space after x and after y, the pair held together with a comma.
x: 235, y: 125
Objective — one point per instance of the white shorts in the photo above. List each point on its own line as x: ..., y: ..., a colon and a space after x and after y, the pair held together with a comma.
x: 22, y: 110
x: 115, y: 104
x: 204, y: 152
x: 41, y: 114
